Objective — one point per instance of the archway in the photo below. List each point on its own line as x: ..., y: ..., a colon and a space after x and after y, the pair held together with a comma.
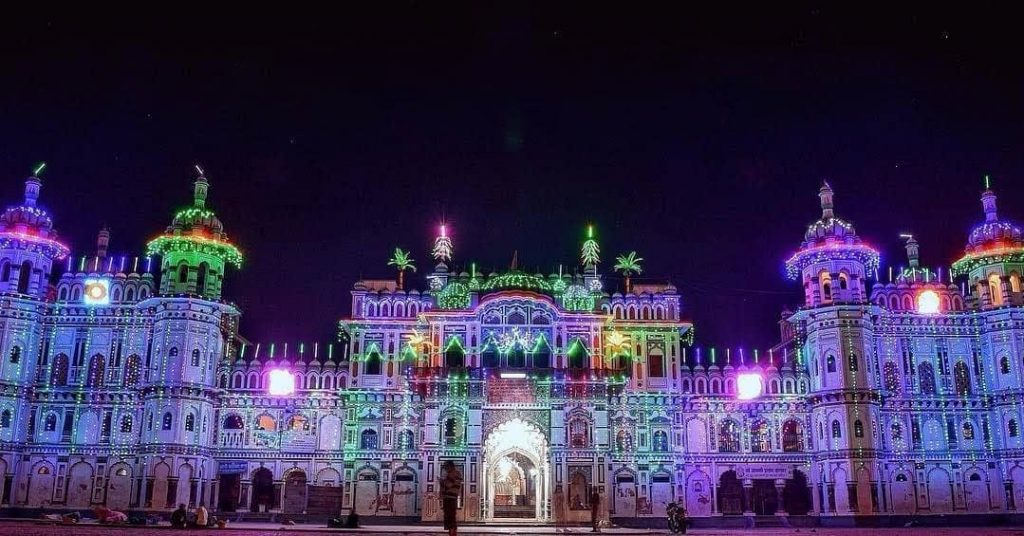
x: 730, y: 494
x: 79, y: 485
x: 901, y: 489
x: 295, y: 492
x: 765, y: 497
x: 796, y: 495
x: 119, y: 487
x: 367, y: 494
x: 40, y: 485
x: 976, y: 492
x: 262, y: 490
x: 516, y: 472
x: 403, y: 488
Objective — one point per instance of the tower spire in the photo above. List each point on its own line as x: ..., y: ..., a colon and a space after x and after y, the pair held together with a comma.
x: 825, y: 194
x: 988, y: 202
x: 102, y: 242
x: 201, y: 187
x: 443, y: 249
x: 913, y: 252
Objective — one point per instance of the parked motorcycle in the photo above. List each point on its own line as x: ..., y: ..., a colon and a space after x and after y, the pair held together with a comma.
x: 676, y: 518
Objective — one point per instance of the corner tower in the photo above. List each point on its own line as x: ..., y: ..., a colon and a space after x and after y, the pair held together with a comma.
x: 993, y: 259
x: 194, y: 250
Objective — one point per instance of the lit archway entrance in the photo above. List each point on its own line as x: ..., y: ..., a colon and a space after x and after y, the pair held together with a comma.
x: 516, y: 472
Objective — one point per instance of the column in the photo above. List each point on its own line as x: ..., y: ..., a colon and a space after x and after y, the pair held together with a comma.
x: 535, y: 475
x: 780, y: 510
x: 748, y: 497
x: 279, y: 493
x: 484, y: 483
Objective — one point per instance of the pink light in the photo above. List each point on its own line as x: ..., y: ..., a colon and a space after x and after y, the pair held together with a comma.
x: 443, y: 231
x: 748, y: 386
x: 282, y: 383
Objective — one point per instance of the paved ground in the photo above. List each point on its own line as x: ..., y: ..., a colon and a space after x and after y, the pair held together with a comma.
x: 28, y: 528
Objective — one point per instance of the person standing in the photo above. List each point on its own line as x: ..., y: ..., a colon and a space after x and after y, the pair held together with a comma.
x: 595, y: 509
x: 451, y: 488
x: 202, y: 516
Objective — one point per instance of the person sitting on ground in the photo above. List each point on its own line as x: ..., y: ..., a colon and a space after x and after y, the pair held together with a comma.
x: 179, y: 517
x: 106, y: 515
x: 202, y: 516
x: 352, y: 521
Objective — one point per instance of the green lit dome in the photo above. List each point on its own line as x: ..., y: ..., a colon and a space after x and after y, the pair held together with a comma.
x: 517, y: 281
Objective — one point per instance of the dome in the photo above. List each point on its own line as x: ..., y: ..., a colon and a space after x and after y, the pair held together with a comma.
x: 991, y: 241
x: 196, y: 229
x: 30, y: 224
x: 517, y: 280
x: 197, y: 219
x: 830, y: 238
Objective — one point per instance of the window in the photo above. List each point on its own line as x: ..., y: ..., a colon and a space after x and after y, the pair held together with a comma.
x: 656, y: 365
x: 968, y: 430
x: 961, y: 378
x: 266, y: 423
x: 516, y: 357
x: 406, y: 440
x: 792, y: 437
x: 825, y: 280
x: 368, y: 440
x: 15, y: 354
x: 183, y: 273
x: 454, y: 355
x: 579, y: 433
x: 51, y: 423
x: 190, y: 423
x: 126, y: 424
x: 760, y: 436
x: 451, y: 431
x: 59, y: 373
x: 373, y: 363
x: 97, y: 368
x: 1013, y: 428
x: 858, y: 428
x: 201, y: 278
x: 995, y: 289
x: 5, y: 272
x: 837, y: 431
x: 728, y: 436
x: 5, y: 419
x: 577, y: 355
x: 541, y: 353
x: 624, y: 441
x: 926, y: 378
x: 490, y: 356
x: 1004, y: 365
x: 891, y: 377
x: 830, y: 363
x: 168, y: 421
x: 196, y: 354
x: 23, y: 277
x: 660, y: 441
x: 844, y: 282
x: 233, y: 422
x: 131, y: 370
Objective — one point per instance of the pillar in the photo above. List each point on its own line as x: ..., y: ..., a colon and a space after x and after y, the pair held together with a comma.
x: 279, y: 493
x: 748, y: 497
x: 780, y: 485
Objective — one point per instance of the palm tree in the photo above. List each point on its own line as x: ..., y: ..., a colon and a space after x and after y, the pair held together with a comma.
x: 628, y: 265
x: 402, y: 262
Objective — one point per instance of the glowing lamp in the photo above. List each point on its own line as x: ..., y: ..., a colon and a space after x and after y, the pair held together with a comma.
x: 928, y: 302
x: 749, y: 386
x: 513, y: 375
x: 282, y: 383
x: 97, y: 292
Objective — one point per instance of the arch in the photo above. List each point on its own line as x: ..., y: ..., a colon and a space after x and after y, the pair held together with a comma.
x: 837, y: 431
x: 940, y: 491
x: 327, y: 476
x: 368, y: 439
x: 129, y: 295
x: 926, y: 378
x: 183, y: 272
x: 792, y: 436
x: 578, y: 430
x: 5, y: 271
x: 995, y: 289
x: 96, y: 375
x: 728, y: 436
x: 760, y: 436
x: 294, y: 496
x: 961, y: 378
x: 80, y: 484
x: 891, y: 376
x: 24, y: 276
x: 578, y: 355
x: 234, y: 421
x: 126, y: 423
x: 196, y: 357
x: 659, y: 441
x: 119, y: 486
x: 454, y: 354
x: 373, y: 364
x: 15, y: 356
x: 59, y: 372
x: 825, y: 284
x: 830, y: 363
x: 407, y: 440
x: 844, y: 281
x: 167, y: 422
x: 201, y: 275
x: 116, y: 295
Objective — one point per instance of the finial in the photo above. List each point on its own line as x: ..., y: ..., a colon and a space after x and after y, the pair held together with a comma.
x: 988, y: 202
x: 201, y: 187
x: 33, y: 185
x: 102, y: 242
x: 912, y: 250
x: 825, y: 194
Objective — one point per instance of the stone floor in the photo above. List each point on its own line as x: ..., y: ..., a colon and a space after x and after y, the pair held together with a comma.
x: 30, y: 528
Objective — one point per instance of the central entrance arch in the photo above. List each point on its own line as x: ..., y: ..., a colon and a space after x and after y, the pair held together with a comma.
x: 516, y: 472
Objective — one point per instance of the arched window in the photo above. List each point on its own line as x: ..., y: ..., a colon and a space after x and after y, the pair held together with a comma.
x: 579, y: 433
x: 624, y: 441
x: 837, y: 432
x: 516, y: 357
x: 830, y: 363
x: 126, y: 424
x: 59, y: 373
x: 995, y: 289
x: 542, y: 354
x: 5, y: 418
x: 760, y: 436
x: 454, y: 354
x: 183, y: 273
x: 190, y: 423
x: 926, y: 377
x: 196, y: 355
x: 63, y: 294
x: 201, y: 278
x: 97, y: 368
x: 825, y: 280
x: 368, y: 440
x: 1014, y: 282
x: 373, y: 363
x: 406, y: 440
x: 858, y: 428
x: 792, y: 436
x: 961, y: 378
x: 5, y: 272
x: 15, y: 354
x: 968, y: 431
x: 578, y: 355
x: 728, y: 436
x: 1013, y: 428
x: 844, y: 281
x: 168, y: 421
x: 234, y: 422
x: 23, y: 277
x: 131, y: 370
x: 51, y: 423
x: 659, y: 441
x: 655, y: 365
x: 891, y: 376
x: 451, y: 431
x: 1004, y: 365
x: 129, y: 295
x: 489, y: 356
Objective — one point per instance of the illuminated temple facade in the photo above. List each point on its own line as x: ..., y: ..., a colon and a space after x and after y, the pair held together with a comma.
x: 124, y: 382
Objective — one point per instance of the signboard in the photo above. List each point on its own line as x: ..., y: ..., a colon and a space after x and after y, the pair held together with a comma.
x: 768, y: 471
x: 232, y: 468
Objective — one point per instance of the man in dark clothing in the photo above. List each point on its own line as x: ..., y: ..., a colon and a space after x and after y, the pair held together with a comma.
x: 595, y: 509
x: 178, y: 517
x: 451, y: 488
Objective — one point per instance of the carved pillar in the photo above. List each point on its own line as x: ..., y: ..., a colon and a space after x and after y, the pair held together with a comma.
x: 748, y: 497
x: 780, y: 508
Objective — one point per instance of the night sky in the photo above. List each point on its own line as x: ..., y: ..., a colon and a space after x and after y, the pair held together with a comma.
x: 697, y: 139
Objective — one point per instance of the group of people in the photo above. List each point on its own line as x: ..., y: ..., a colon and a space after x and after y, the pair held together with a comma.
x: 201, y: 518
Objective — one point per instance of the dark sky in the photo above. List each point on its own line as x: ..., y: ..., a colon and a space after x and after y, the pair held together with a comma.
x: 697, y: 139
